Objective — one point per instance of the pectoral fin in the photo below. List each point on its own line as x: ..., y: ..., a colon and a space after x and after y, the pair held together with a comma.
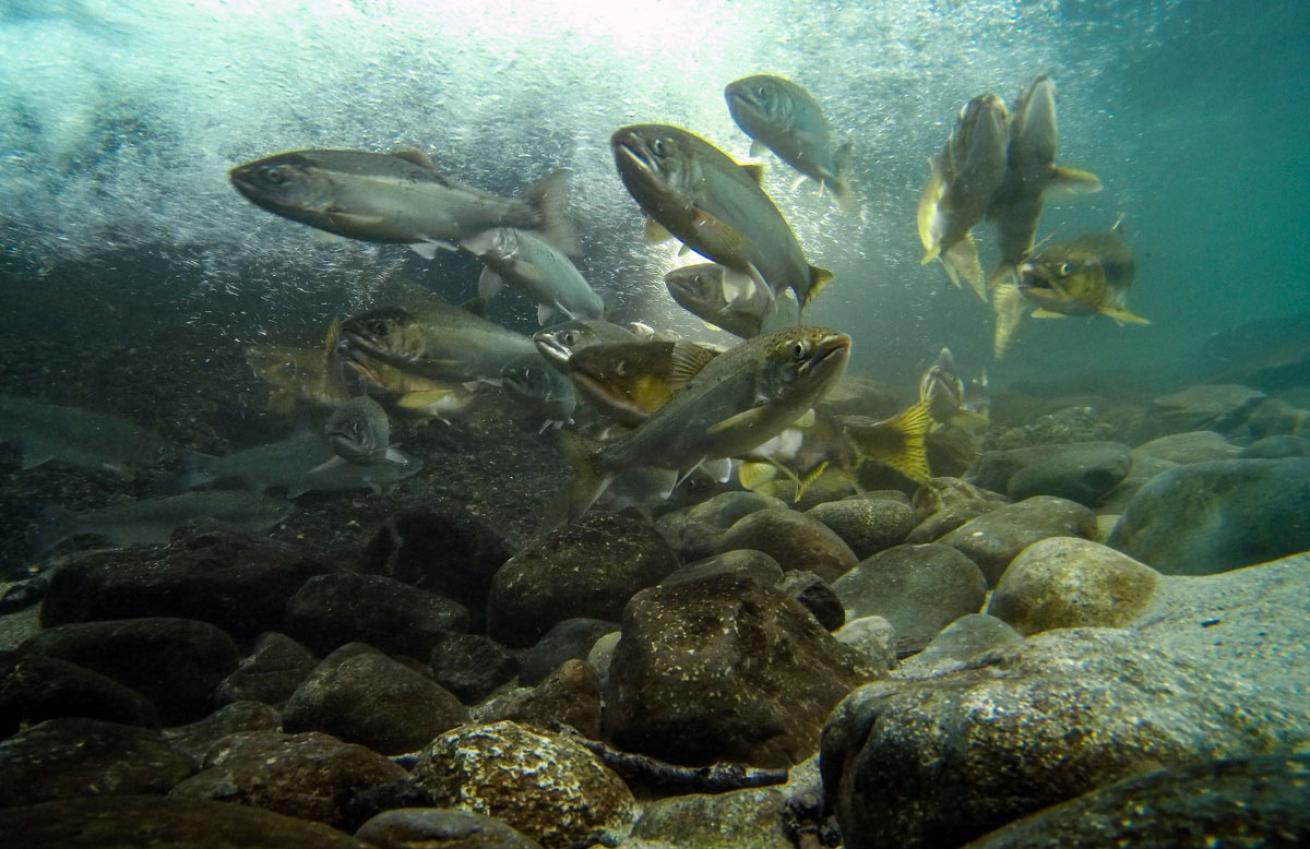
x: 489, y: 284
x: 1071, y: 182
x: 1045, y: 313
x: 718, y: 231
x: 752, y: 473
x: 750, y: 418
x: 655, y: 232
x: 1123, y: 316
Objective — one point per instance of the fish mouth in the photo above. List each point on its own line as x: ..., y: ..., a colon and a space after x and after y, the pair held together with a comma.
x: 555, y: 352
x: 626, y: 152
x: 830, y: 351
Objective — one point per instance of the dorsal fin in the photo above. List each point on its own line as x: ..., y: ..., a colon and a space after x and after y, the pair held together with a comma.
x: 415, y: 157
x: 756, y: 172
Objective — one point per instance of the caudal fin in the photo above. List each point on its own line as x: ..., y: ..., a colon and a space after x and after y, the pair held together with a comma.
x: 819, y: 280
x: 840, y: 186
x: 548, y: 196
x: 589, y: 481
x: 961, y: 262
x: 1009, y: 304
x: 897, y: 442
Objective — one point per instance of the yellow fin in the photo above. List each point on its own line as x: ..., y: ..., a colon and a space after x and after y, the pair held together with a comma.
x: 806, y: 419
x: 421, y: 400
x: 589, y: 482
x: 756, y: 172
x: 819, y: 278
x: 743, y: 419
x: 752, y: 473
x: 1045, y: 313
x: 1071, y: 182
x: 1009, y: 304
x: 898, y: 442
x: 806, y: 482
x: 655, y: 232
x: 688, y: 359
x: 932, y: 253
x: 1123, y: 315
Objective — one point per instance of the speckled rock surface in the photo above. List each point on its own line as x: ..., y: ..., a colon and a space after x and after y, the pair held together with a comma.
x: 571, y: 695
x: 993, y: 539
x: 440, y: 828
x: 1208, y: 406
x: 151, y: 822
x: 548, y: 787
x: 586, y: 569
x: 471, y: 666
x: 724, y: 669
x: 919, y: 589
x: 73, y: 758
x: 960, y: 643
x: 311, y: 776
x: 197, y: 738
x: 565, y: 640
x: 943, y: 504
x: 872, y: 636
x: 360, y: 695
x: 1067, y: 582
x: 1252, y: 802
x: 816, y: 596
x: 867, y: 525
x: 795, y: 540
x: 271, y: 672
x: 758, y: 565
x: 694, y: 532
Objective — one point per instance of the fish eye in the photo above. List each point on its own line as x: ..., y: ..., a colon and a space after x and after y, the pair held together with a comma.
x: 275, y: 174
x: 657, y: 147
x: 622, y: 367
x: 569, y: 338
x: 1065, y: 267
x: 379, y: 327
x: 798, y: 350
x: 762, y: 91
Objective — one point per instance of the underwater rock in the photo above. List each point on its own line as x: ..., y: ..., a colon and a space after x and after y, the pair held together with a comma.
x: 1222, y: 407
x: 1211, y: 517
x: 943, y: 504
x: 440, y: 828
x: 1079, y: 471
x: 175, y: 663
x: 1068, y: 423
x: 951, y: 450
x: 546, y: 786
x: 343, y: 607
x: 471, y: 666
x: 867, y: 525
x: 569, y: 695
x: 919, y: 589
x: 1276, y: 417
x: 197, y: 738
x: 271, y: 672
x: 1255, y: 801
x: 993, y: 539
x: 311, y: 776
x: 1145, y: 467
x: 815, y: 596
x: 872, y: 636
x: 744, y: 561
x: 724, y: 669
x: 359, y: 695
x: 572, y: 638
x: 1067, y: 582
x: 35, y: 688
x: 73, y: 758
x: 694, y: 531
x: 1197, y: 446
x: 1277, y: 447
x: 237, y: 582
x: 961, y: 642
x: 942, y: 760
x: 601, y: 656
x: 586, y: 569
x: 144, y: 822
x: 453, y: 554
x: 795, y: 540
x: 751, y: 817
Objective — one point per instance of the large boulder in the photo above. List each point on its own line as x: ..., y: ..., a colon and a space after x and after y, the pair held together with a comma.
x: 1221, y: 407
x: 36, y: 688
x: 272, y: 671
x: 994, y: 539
x: 1196, y: 446
x: 1210, y: 517
x: 471, y: 665
x: 197, y: 738
x: 724, y: 669
x: 1082, y: 471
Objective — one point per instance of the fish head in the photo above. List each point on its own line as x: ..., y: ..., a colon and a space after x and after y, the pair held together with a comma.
x: 528, y: 378
x: 501, y: 243
x: 287, y: 183
x: 359, y: 431
x: 941, y: 386
x: 657, y: 162
x: 628, y: 379
x: 700, y: 284
x: 283, y: 366
x: 760, y: 102
x: 981, y: 134
x: 1061, y: 281
x: 799, y: 365
x: 561, y: 341
x: 1033, y: 130
x: 391, y: 333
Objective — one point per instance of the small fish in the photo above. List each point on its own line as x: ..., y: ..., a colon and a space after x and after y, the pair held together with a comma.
x: 151, y: 521
x: 535, y: 384
x: 897, y: 442
x: 537, y: 269
x: 742, y: 398
x: 299, y: 464
x: 714, y: 205
x: 949, y: 402
x: 396, y: 197
x: 90, y: 440
x: 359, y: 432
x: 964, y: 177
x: 629, y: 381
x: 780, y: 115
x: 1089, y: 275
x: 557, y: 344
x: 732, y: 302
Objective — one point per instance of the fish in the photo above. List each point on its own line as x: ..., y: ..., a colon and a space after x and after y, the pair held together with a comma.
x: 50, y: 432
x: 359, y: 432
x: 628, y: 381
x: 557, y: 344
x: 534, y: 267
x: 397, y: 197
x: 1031, y: 176
x: 435, y: 340
x: 298, y: 464
x: 730, y: 302
x: 689, y: 188
x: 897, y: 442
x: 811, y: 448
x: 151, y: 521
x: 535, y: 384
x: 313, y: 376
x: 963, y: 178
x: 414, y: 394
x: 783, y: 117
x: 949, y: 400
x: 742, y: 398
x: 1089, y: 275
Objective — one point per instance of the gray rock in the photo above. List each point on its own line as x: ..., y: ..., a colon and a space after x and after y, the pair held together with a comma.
x: 1274, y: 417
x: 815, y: 596
x: 360, y: 695
x: 175, y: 663
x: 572, y: 638
x: 867, y: 525
x: 694, y: 532
x: 795, y: 540
x: 144, y: 822
x: 993, y: 539
x: 602, y: 655
x: 440, y: 828
x: 943, y: 504
x: 199, y: 737
x: 548, y: 787
x: 756, y: 564
x: 724, y: 669
x: 35, y: 688
x: 471, y: 666
x: 270, y: 673
x: 1277, y: 447
x: 343, y: 607
x: 72, y: 758
x: 919, y: 589
x: 961, y: 642
x: 1218, y: 407
x: 310, y: 776
x: 1067, y: 582
x: 1197, y: 446
x: 1210, y: 517
x: 586, y: 569
x: 1258, y: 801
x: 872, y: 636
x: 1082, y: 471
x: 1145, y: 468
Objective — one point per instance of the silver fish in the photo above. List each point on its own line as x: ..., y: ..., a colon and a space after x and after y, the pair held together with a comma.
x: 359, y: 431
x: 299, y: 464
x: 731, y: 302
x: 46, y: 432
x: 557, y: 344
x: 532, y: 266
x: 535, y: 384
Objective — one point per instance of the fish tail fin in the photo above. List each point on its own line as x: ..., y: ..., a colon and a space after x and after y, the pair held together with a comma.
x: 819, y: 280
x: 55, y: 525
x: 931, y: 254
x: 1008, y: 303
x: 197, y: 471
x: 962, y: 263
x: 898, y: 442
x: 752, y: 474
x: 840, y: 185
x: 589, y: 480
x: 548, y: 197
x: 1071, y: 182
